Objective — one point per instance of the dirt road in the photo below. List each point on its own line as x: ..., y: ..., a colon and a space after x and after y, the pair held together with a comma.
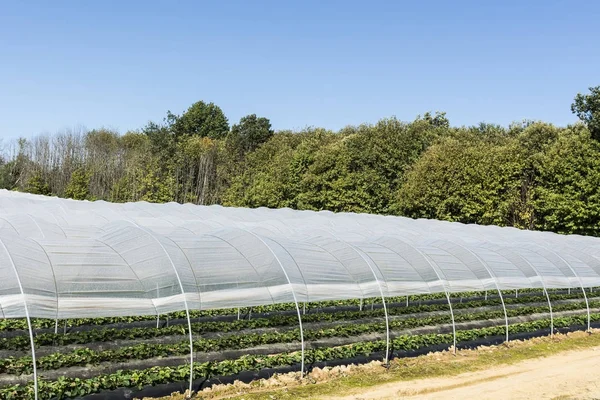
x: 569, y: 375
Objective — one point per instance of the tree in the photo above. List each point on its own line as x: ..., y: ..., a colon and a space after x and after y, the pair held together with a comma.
x: 36, y: 184
x: 13, y: 170
x: 249, y: 133
x: 468, y: 178
x: 361, y: 171
x: 439, y: 119
x: 587, y: 109
x: 196, y: 170
x: 269, y: 179
x: 201, y: 119
x: 567, y: 194
x: 160, y: 138
x: 103, y: 166
x: 79, y: 185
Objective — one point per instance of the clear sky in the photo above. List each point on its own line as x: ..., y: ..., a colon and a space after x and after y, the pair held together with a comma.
x: 119, y: 64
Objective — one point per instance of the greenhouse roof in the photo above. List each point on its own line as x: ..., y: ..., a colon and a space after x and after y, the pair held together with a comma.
x: 63, y: 258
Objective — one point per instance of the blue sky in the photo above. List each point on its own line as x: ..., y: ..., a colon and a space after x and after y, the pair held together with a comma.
x: 119, y: 64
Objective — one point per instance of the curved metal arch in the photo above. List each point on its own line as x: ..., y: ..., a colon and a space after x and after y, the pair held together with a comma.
x: 40, y: 228
x: 55, y: 284
x: 494, y: 278
x: 187, y: 310
x: 446, y: 292
x: 587, y: 304
x: 364, y: 256
x: 293, y: 295
x: 590, y: 260
x: 439, y: 279
x: 130, y: 268
x: 247, y: 260
x: 61, y: 206
x: 343, y: 265
x: 404, y: 258
x: 191, y: 268
x: 545, y: 289
x: 11, y: 225
x: 15, y: 229
x: 293, y: 259
x: 29, y: 327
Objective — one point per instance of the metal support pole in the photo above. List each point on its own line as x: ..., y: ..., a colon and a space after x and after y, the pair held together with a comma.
x: 187, y: 310
x: 446, y: 292
x: 587, y: 304
x: 387, y: 322
x: 550, y: 308
x: 360, y: 306
x: 29, y: 327
x: 32, y: 342
x: 493, y: 277
x: 453, y: 323
x: 545, y: 289
x: 56, y: 326
x: 157, y: 314
x: 293, y: 296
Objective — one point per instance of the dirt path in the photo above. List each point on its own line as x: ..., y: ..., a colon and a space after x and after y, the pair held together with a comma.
x: 569, y: 375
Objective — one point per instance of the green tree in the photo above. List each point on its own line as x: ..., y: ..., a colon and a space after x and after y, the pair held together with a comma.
x: 587, y: 109
x: 482, y: 175
x: 78, y: 187
x: 36, y: 184
x: 567, y: 194
x: 249, y: 133
x: 160, y: 138
x: 362, y: 171
x: 438, y: 119
x: 201, y: 119
x: 269, y: 179
x: 13, y: 170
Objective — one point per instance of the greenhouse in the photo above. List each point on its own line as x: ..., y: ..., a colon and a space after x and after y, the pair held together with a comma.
x: 63, y: 259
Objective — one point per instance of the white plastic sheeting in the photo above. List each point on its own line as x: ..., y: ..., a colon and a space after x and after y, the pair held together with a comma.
x: 65, y: 258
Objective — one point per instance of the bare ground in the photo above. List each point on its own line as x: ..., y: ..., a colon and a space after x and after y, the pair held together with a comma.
x: 569, y: 375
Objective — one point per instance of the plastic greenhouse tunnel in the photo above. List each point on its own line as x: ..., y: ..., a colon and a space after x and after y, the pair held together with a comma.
x: 63, y: 259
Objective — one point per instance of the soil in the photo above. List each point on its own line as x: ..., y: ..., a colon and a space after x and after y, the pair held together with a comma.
x: 569, y: 375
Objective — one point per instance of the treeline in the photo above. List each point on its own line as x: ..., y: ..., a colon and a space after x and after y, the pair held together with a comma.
x: 529, y: 175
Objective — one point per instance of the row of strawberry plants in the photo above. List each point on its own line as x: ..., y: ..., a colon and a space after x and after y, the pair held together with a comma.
x: 66, y: 387
x: 106, y: 335
x: 23, y: 365
x: 44, y: 323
